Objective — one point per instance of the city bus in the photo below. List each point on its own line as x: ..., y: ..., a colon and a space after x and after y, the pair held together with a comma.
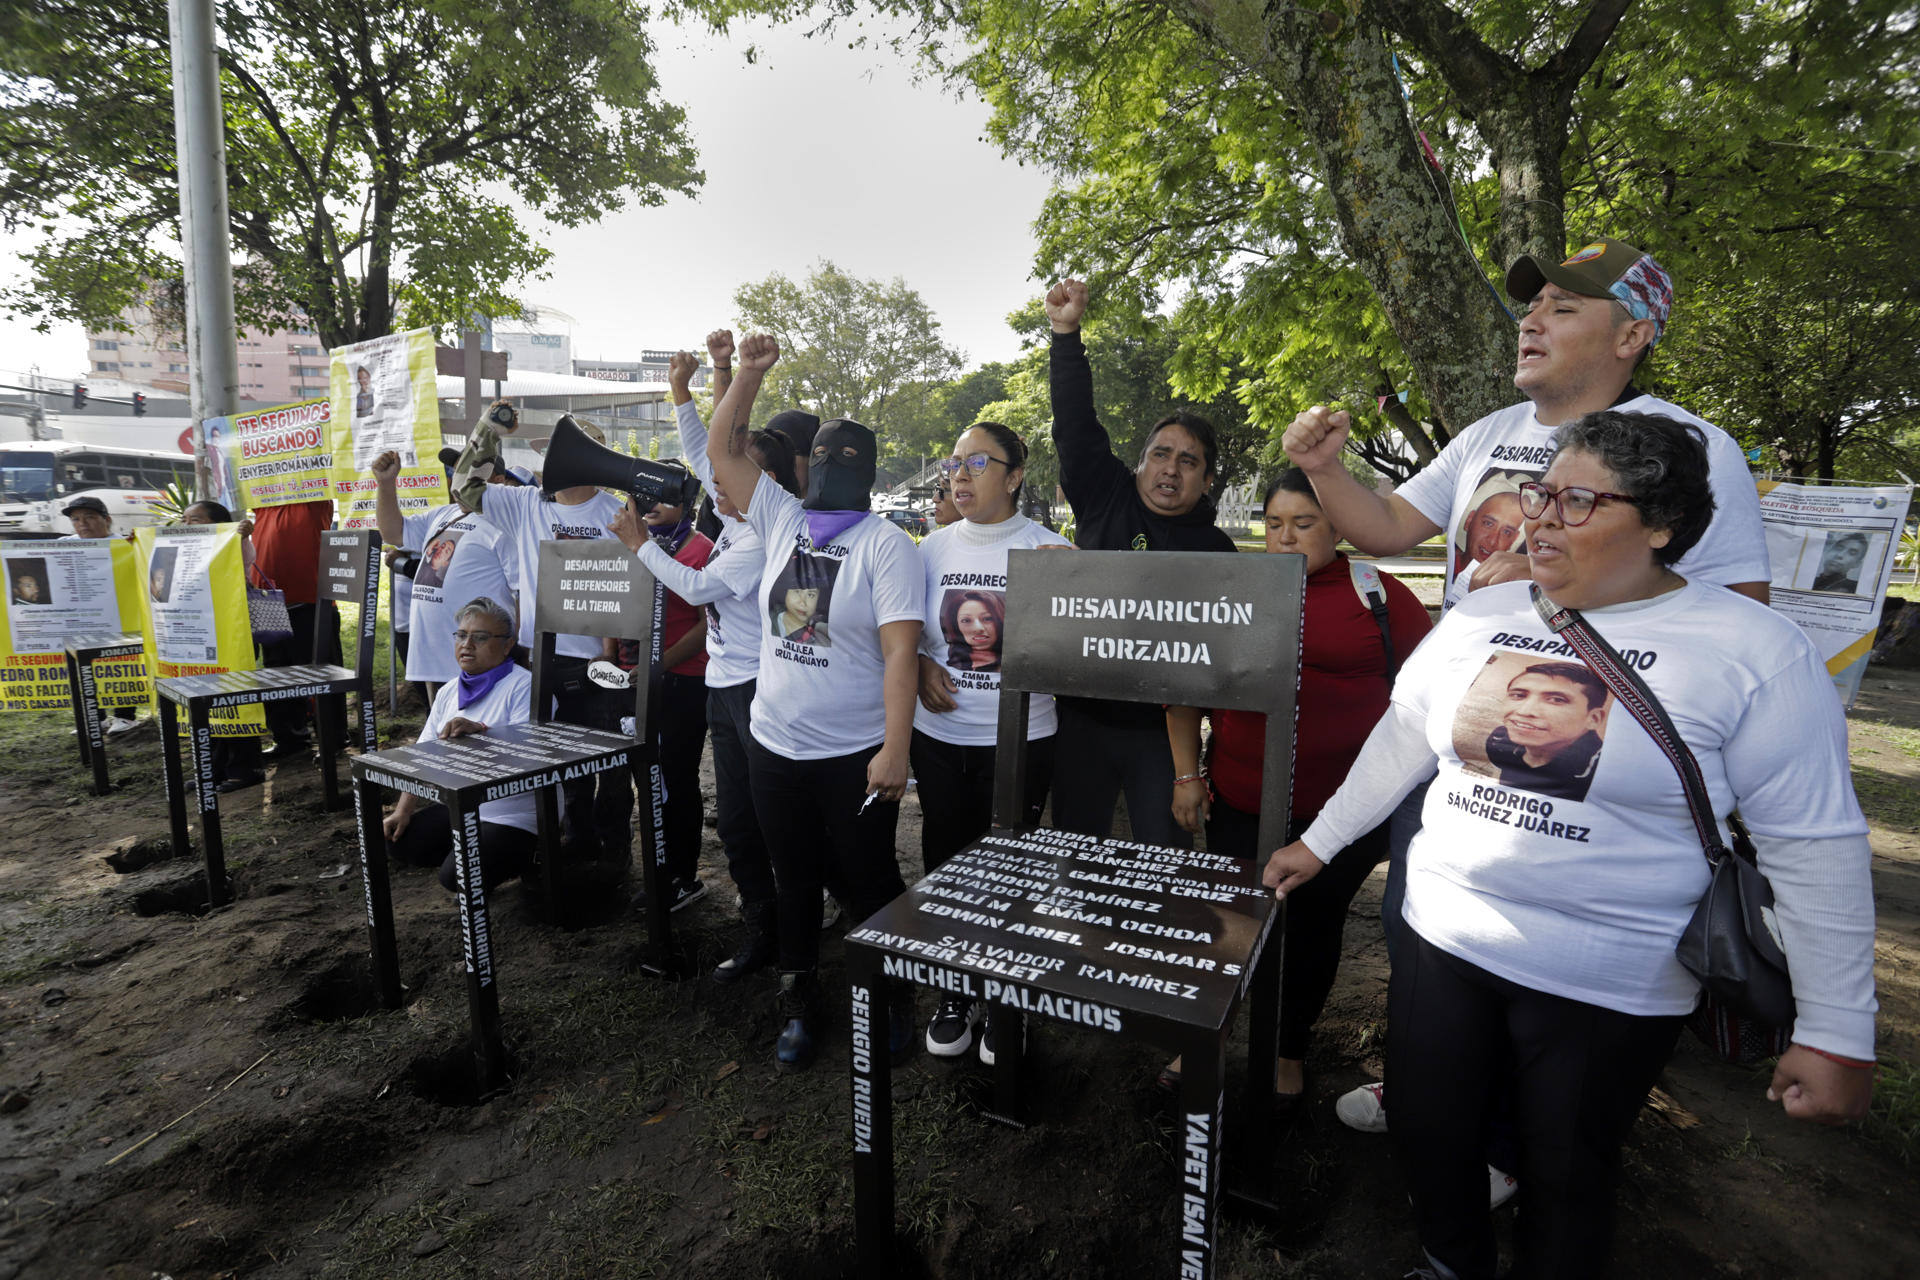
x: 39, y: 477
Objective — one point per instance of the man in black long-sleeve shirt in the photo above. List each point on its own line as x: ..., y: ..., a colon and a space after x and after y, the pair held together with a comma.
x: 1162, y: 504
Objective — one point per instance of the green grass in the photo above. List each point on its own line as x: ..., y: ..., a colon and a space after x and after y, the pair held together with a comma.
x: 381, y: 1248
x: 1909, y: 591
x: 1893, y: 1121
x: 1903, y: 739
x: 1887, y: 799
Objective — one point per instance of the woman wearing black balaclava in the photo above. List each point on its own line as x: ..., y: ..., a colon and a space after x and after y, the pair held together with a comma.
x: 832, y: 716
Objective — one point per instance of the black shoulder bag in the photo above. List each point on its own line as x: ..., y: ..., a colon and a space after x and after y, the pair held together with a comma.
x: 1746, y: 1005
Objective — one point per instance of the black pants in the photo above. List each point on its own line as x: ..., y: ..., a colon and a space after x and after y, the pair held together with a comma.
x: 233, y: 757
x: 1578, y: 1074
x: 682, y: 717
x: 1404, y: 825
x: 287, y: 718
x: 1316, y: 915
x: 811, y: 814
x: 599, y: 808
x: 730, y: 721
x: 505, y: 852
x: 956, y: 792
x: 1094, y: 762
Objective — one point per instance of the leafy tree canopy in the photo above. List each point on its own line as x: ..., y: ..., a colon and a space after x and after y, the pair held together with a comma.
x: 367, y: 144
x: 869, y: 350
x: 1328, y: 194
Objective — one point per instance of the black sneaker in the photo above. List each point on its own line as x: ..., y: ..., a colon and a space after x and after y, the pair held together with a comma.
x: 950, y: 1034
x: 986, y: 1039
x: 680, y: 893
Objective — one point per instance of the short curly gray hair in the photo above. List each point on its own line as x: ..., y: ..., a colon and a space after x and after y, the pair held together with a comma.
x: 498, y: 616
x: 1662, y: 462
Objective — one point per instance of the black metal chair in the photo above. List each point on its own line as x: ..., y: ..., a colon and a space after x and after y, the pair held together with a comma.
x: 349, y: 574
x: 83, y: 692
x: 585, y: 588
x: 1147, y: 943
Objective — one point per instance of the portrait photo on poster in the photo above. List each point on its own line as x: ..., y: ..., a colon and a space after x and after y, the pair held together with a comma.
x: 801, y: 597
x: 362, y: 391
x: 972, y: 622
x: 27, y: 580
x: 1536, y: 725
x: 1492, y: 522
x: 160, y: 574
x: 1843, y: 559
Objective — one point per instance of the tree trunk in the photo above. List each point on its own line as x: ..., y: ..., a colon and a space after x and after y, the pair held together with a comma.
x: 1393, y: 221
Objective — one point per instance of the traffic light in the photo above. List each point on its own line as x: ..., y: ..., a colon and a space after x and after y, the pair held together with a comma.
x: 79, y: 395
x: 139, y: 405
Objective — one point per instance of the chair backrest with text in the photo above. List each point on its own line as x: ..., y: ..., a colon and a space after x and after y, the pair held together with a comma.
x: 350, y: 574
x: 598, y: 588
x: 1179, y: 628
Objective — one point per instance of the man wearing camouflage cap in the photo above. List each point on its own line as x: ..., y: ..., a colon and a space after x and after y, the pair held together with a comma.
x: 1589, y: 323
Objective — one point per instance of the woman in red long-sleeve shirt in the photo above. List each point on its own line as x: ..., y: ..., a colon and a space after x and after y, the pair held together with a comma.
x: 1346, y: 673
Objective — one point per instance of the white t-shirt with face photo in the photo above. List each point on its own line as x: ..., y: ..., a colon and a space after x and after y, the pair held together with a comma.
x: 965, y: 622
x: 526, y: 519
x: 821, y: 609
x: 1556, y: 848
x: 460, y: 561
x: 1471, y: 491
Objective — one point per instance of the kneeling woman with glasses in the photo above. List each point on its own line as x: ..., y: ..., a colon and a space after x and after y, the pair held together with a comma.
x: 490, y: 692
x: 954, y: 726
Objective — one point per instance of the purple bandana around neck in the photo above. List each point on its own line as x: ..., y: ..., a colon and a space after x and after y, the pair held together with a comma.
x: 824, y: 526
x: 671, y: 540
x: 474, y: 688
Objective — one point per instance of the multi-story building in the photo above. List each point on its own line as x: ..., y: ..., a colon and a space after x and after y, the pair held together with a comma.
x: 538, y: 340
x: 275, y: 368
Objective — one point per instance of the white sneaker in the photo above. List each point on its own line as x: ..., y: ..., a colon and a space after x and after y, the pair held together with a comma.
x: 1501, y: 1186
x: 1364, y: 1108
x: 116, y: 726
x: 829, y: 910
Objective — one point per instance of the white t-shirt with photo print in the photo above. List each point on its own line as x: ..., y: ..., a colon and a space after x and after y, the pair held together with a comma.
x: 1498, y: 453
x: 822, y: 674
x: 476, y: 569
x: 1585, y: 898
x: 527, y: 519
x: 967, y: 559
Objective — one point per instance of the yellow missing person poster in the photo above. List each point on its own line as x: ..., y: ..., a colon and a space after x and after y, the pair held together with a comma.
x: 194, y: 611
x: 271, y: 457
x: 59, y: 591
x: 384, y: 399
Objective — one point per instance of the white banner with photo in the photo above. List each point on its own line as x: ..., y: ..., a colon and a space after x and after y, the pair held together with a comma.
x: 1832, y: 546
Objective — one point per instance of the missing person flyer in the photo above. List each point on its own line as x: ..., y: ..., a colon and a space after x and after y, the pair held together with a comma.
x: 194, y: 610
x: 1831, y: 547
x: 385, y: 398
x: 57, y: 592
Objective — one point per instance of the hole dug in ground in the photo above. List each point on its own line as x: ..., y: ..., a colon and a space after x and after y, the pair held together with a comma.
x: 450, y: 1077
x: 186, y: 897
x: 139, y: 853
x: 344, y: 989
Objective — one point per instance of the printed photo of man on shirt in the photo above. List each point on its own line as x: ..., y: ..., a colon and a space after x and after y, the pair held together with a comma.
x: 1548, y: 723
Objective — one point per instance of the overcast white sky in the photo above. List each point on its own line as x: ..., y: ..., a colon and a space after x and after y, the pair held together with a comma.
x: 814, y: 151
